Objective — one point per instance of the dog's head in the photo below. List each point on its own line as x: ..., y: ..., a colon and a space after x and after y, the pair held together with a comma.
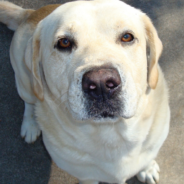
x: 93, y: 55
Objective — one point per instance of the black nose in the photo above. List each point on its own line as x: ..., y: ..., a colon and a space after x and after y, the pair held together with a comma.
x: 101, y: 83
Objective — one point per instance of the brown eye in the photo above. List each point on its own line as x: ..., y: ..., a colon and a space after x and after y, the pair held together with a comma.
x: 64, y: 43
x: 127, y: 37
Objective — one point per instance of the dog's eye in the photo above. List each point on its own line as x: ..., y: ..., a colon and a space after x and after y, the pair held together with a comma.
x: 64, y: 43
x: 127, y: 37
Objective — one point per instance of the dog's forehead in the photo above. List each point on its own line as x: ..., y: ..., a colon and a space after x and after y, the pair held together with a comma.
x: 85, y: 14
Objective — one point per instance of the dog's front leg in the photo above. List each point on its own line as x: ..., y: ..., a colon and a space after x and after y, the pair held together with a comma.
x: 88, y: 182
x: 29, y: 129
x: 150, y: 174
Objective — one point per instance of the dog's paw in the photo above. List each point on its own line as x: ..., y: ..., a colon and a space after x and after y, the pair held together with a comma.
x: 150, y: 174
x: 30, y: 129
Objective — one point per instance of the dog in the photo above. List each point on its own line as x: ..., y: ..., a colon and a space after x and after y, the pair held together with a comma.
x: 88, y: 73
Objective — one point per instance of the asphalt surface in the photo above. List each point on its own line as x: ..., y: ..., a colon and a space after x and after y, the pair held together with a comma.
x: 22, y: 163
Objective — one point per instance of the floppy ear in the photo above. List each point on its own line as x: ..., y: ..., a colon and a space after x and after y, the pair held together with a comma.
x: 155, y: 47
x: 32, y: 61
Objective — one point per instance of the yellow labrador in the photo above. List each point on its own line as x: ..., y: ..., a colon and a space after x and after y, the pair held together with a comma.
x: 89, y: 76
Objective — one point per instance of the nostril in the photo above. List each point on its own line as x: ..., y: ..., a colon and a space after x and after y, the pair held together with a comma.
x: 92, y: 86
x: 110, y: 84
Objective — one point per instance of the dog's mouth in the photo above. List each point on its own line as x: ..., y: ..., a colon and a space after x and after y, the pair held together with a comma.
x: 103, y: 108
x: 107, y: 114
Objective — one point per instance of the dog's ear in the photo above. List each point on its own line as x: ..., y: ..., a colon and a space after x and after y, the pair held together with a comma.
x: 32, y: 61
x: 155, y: 48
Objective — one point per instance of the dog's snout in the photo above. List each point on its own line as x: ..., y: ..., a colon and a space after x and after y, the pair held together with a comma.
x: 101, y: 83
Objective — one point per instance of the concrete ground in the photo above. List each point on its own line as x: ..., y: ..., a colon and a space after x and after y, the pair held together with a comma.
x: 22, y: 163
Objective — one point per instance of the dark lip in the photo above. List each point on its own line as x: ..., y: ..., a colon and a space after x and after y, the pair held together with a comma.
x: 106, y: 114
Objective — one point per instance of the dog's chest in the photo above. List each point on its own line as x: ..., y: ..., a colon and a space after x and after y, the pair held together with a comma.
x: 105, y: 163
x: 106, y: 152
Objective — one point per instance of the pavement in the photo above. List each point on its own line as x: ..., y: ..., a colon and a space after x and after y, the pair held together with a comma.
x: 22, y: 163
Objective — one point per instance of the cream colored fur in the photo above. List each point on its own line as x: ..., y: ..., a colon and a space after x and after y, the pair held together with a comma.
x: 49, y: 81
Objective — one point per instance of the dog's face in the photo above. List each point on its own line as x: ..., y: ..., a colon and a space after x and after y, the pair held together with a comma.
x: 93, y: 57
